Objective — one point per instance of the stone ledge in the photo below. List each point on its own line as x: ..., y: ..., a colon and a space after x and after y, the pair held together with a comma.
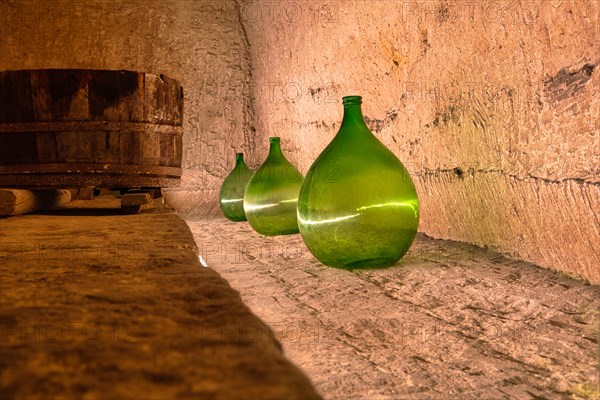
x: 98, y: 305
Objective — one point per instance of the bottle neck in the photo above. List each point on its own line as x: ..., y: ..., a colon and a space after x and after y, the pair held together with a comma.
x: 275, y: 153
x: 353, y: 115
x: 239, y: 159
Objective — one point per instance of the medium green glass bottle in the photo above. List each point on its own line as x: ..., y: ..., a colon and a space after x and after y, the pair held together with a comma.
x: 231, y: 196
x: 358, y: 207
x: 272, y: 194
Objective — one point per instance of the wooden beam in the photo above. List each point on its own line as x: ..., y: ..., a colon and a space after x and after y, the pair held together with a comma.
x: 20, y: 201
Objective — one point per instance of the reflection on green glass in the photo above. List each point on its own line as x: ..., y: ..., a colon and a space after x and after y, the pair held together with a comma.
x: 231, y: 196
x: 358, y: 207
x: 272, y: 194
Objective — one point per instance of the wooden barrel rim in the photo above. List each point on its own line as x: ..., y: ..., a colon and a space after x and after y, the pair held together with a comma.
x: 58, y: 126
x: 56, y: 168
x: 120, y: 181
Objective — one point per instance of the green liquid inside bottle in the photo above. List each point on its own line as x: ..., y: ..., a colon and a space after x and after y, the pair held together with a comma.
x: 358, y: 207
x: 231, y: 195
x: 271, y: 196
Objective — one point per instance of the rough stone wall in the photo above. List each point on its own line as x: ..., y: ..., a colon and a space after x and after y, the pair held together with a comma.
x: 184, y: 39
x: 492, y: 105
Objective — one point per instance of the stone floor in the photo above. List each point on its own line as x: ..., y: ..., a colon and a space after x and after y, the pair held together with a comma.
x: 448, y: 321
x: 99, y: 305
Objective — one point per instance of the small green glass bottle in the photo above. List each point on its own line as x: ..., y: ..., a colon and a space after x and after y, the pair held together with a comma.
x: 272, y: 194
x: 231, y: 195
x: 358, y: 207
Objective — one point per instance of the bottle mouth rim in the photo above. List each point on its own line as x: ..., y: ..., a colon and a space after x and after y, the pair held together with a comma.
x: 239, y: 154
x: 354, y: 99
x: 274, y: 139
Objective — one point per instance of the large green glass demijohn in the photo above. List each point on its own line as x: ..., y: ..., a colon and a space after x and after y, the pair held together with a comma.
x: 358, y: 207
x: 272, y: 194
x: 231, y: 196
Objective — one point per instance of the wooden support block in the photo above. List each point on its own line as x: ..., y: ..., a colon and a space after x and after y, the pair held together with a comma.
x: 133, y: 203
x: 86, y: 193
x: 20, y: 201
x: 156, y: 192
x: 136, y: 199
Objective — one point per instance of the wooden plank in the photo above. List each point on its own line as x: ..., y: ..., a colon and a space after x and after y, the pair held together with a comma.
x: 16, y: 103
x: 19, y: 201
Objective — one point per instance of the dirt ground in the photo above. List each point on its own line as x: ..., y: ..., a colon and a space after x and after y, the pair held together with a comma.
x: 448, y: 321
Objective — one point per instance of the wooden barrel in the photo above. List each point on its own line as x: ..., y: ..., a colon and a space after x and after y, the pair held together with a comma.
x: 64, y: 128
